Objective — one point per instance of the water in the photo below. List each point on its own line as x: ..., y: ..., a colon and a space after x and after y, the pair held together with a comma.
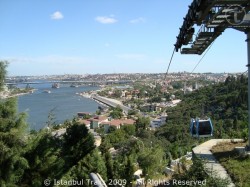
x: 63, y: 102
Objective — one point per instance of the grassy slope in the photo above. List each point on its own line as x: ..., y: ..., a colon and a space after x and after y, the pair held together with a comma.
x: 237, y: 166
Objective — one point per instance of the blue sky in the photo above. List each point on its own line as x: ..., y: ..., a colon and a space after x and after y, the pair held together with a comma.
x: 41, y: 37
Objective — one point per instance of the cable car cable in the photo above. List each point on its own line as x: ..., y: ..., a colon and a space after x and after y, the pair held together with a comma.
x: 202, y: 57
x: 194, y: 67
x: 169, y: 64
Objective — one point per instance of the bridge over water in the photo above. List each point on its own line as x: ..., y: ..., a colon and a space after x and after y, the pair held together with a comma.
x: 92, y: 82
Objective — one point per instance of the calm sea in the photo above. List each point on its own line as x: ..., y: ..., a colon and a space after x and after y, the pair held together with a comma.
x: 64, y: 103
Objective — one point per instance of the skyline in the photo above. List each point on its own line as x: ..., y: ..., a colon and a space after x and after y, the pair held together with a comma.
x: 91, y: 37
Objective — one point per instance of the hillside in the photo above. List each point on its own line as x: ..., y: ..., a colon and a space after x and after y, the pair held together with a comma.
x: 32, y: 158
x: 225, y: 103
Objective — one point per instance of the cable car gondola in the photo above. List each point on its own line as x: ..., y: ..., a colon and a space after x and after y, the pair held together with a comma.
x: 201, y: 128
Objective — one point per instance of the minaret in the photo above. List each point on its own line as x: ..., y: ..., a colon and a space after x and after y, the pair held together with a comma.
x: 196, y: 85
x: 185, y: 87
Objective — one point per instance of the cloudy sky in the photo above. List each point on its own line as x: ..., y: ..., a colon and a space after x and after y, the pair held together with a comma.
x: 105, y: 36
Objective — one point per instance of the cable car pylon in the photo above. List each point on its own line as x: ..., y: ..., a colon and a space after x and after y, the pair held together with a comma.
x: 214, y: 17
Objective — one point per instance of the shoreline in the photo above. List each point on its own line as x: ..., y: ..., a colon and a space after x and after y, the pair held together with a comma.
x: 6, y: 96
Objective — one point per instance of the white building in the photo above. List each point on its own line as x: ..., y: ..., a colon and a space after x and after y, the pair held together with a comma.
x: 157, y: 122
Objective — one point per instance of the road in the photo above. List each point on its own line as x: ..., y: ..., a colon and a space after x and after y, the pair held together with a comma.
x: 111, y: 103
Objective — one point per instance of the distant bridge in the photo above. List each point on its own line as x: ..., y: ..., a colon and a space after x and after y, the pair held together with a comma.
x: 96, y: 82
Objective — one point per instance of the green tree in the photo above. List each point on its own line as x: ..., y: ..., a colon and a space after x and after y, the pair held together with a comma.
x: 129, y: 170
x: 129, y: 129
x: 109, y: 165
x: 45, y: 159
x: 13, y: 129
x: 105, y: 145
x: 51, y: 118
x: 111, y: 129
x: 117, y: 93
x: 142, y: 123
x: 92, y: 162
x: 116, y: 137
x: 3, y: 72
x: 77, y: 142
x: 177, y: 85
x: 155, y: 99
x: 152, y: 162
x: 116, y: 113
x: 132, y: 112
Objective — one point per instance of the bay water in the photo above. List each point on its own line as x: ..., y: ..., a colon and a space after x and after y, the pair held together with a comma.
x: 63, y: 103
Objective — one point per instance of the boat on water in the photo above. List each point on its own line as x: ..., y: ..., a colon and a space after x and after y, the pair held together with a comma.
x: 31, y: 91
x: 46, y: 91
x: 84, y: 94
x: 74, y: 86
x: 56, y: 85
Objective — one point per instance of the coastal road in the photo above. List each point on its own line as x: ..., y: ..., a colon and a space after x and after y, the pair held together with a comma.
x: 111, y: 103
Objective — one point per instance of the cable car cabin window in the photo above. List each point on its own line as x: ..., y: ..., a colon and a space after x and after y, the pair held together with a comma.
x: 204, y: 128
x: 201, y: 128
x: 194, y: 128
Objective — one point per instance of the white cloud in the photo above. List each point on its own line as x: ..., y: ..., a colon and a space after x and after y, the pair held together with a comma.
x: 106, y: 19
x: 138, y: 20
x: 137, y: 57
x: 56, y: 15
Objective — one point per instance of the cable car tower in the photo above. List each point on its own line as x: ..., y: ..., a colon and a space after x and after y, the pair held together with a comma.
x: 213, y: 17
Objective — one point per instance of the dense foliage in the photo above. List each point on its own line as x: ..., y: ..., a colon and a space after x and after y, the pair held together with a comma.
x: 12, y: 143
x: 225, y: 103
x: 3, y: 72
x: 116, y: 113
